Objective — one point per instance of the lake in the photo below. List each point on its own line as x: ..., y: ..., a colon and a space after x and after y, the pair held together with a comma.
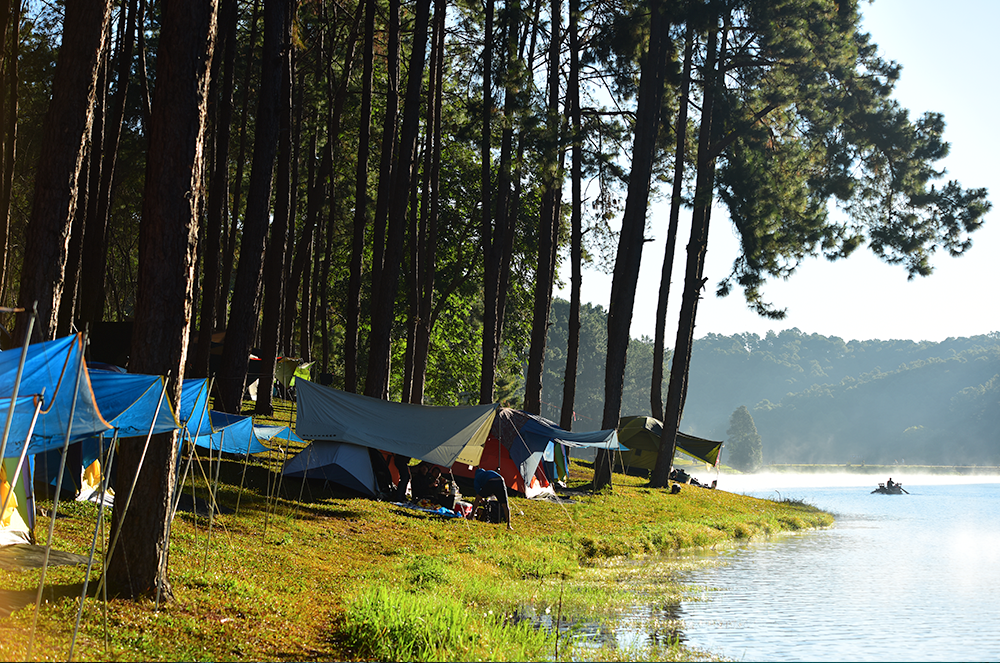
x: 906, y: 578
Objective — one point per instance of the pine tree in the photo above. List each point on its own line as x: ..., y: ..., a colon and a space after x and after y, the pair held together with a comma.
x: 743, y: 442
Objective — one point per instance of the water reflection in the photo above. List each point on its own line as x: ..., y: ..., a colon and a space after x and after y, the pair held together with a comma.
x: 896, y: 578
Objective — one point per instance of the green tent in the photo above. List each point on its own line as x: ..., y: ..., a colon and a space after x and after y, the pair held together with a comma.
x: 642, y: 437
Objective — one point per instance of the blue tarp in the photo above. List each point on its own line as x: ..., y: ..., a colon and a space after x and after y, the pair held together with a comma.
x: 128, y: 401
x: 193, y: 411
x: 51, y: 372
x: 527, y: 435
x: 233, y: 434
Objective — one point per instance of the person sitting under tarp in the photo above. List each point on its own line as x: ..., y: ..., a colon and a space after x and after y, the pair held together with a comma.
x: 488, y: 483
x: 427, y: 484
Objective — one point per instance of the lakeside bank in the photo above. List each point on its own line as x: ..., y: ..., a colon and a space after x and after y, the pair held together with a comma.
x: 316, y: 575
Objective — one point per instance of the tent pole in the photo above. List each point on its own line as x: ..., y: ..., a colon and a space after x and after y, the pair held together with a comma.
x: 55, y: 499
x: 211, y: 498
x: 24, y: 454
x: 17, y: 383
x: 246, y: 462
x: 98, y: 528
x: 174, y: 502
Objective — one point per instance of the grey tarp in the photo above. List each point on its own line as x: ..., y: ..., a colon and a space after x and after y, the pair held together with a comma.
x: 439, y: 435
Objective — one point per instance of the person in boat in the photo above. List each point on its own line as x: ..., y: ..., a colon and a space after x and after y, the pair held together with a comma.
x: 889, y: 484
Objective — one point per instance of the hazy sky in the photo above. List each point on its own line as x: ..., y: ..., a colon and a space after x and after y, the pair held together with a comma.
x: 948, y: 53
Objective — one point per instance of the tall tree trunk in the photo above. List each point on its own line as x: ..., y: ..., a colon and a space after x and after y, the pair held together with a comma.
x: 244, y: 311
x: 218, y: 196
x: 8, y: 122
x: 548, y: 230
x: 67, y: 304
x: 693, y: 275
x: 88, y: 191
x: 95, y: 244
x: 168, y: 238
x: 67, y: 124
x: 680, y: 146
x: 377, y: 379
x: 576, y: 220
x: 490, y: 291
x: 361, y: 204
x: 314, y: 204
x: 630, y: 240
x: 387, y: 166
x: 274, y: 261
x: 228, y: 257
x: 430, y: 230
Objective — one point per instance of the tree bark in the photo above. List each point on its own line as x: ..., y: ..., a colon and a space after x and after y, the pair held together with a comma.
x: 680, y: 146
x: 693, y: 275
x: 576, y: 220
x: 361, y: 204
x: 218, y: 197
x: 631, y: 239
x: 8, y: 118
x: 245, y: 310
x: 95, y: 245
x: 429, y: 233
x: 274, y: 260
x: 490, y: 288
x: 228, y: 257
x: 548, y: 231
x: 376, y: 382
x: 67, y: 124
x: 169, y: 236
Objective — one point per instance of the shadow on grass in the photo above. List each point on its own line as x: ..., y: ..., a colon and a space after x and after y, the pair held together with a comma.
x: 18, y: 599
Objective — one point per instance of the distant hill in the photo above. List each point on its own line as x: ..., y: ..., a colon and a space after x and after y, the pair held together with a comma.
x: 814, y: 398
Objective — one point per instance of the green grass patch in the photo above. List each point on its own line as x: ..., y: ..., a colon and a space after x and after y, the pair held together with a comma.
x: 302, y: 572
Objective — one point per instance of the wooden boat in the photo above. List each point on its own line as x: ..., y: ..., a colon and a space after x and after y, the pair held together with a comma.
x: 894, y: 489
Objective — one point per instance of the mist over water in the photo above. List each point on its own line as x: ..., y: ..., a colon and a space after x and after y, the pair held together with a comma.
x: 759, y: 484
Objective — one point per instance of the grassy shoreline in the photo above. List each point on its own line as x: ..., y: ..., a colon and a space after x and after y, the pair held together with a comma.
x: 316, y: 575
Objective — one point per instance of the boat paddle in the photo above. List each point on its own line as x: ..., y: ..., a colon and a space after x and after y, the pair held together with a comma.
x: 904, y: 490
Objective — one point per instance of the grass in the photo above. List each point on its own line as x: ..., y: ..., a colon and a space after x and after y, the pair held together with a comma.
x: 328, y: 576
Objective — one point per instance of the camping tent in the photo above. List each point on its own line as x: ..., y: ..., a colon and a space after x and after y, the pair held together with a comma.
x: 642, y: 436
x: 439, y: 435
x: 517, y: 443
x: 347, y: 465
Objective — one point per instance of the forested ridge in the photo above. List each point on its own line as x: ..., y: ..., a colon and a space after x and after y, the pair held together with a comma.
x: 822, y: 399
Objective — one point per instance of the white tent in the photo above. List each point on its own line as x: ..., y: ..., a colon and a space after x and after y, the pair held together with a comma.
x: 439, y: 435
x: 344, y: 464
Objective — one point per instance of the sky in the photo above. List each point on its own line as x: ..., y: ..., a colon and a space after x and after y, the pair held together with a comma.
x: 948, y: 52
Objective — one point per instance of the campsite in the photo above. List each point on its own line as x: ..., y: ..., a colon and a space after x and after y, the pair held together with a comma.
x: 293, y: 568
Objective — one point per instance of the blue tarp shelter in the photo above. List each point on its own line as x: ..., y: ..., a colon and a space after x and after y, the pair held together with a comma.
x: 52, y: 373
x: 232, y: 434
x: 193, y: 410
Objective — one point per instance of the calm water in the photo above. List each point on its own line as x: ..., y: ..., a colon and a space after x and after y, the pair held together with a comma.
x: 905, y: 578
